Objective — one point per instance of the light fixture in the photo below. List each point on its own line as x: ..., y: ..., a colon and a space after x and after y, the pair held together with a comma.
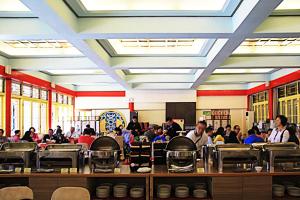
x: 38, y: 48
x: 157, y: 46
x: 269, y: 46
x: 12, y: 6
x: 243, y: 71
x: 160, y: 71
x: 166, y: 5
x: 76, y: 71
x: 289, y: 5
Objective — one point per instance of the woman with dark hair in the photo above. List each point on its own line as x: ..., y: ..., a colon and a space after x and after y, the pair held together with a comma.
x: 34, y: 136
x: 219, y: 139
x: 292, y: 131
x: 280, y: 133
x: 27, y: 136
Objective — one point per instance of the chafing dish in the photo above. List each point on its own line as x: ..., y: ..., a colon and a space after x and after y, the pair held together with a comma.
x: 181, y: 155
x: 74, y: 152
x: 104, y: 154
x: 235, y: 154
x: 12, y: 151
x: 280, y: 153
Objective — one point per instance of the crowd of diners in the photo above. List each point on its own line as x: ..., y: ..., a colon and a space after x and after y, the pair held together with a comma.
x: 203, y: 134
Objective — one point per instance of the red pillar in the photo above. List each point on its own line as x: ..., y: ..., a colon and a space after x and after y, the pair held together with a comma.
x: 73, y: 102
x: 50, y: 108
x: 131, y: 106
x: 8, y: 107
x: 270, y: 103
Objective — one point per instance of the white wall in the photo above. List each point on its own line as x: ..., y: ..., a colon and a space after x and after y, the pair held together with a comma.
x: 236, y: 104
x: 151, y: 105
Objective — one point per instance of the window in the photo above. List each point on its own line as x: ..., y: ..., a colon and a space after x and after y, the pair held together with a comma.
x: 44, y: 94
x: 27, y: 115
x: 16, y: 88
x: 260, y: 106
x: 15, y: 114
x: 65, y: 99
x: 1, y: 85
x: 54, y: 96
x: 36, y: 116
x: 43, y: 118
x: 35, y: 93
x: 288, y: 101
x: 26, y: 90
x: 59, y: 98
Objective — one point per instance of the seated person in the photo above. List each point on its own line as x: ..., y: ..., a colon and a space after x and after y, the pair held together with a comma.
x: 160, y: 136
x: 3, y: 138
x: 16, y: 137
x: 292, y: 131
x: 210, y: 131
x: 59, y: 137
x: 219, y: 139
x: 49, y: 138
x: 232, y: 138
x: 72, y: 133
x: 86, y: 138
x: 253, y: 137
x: 27, y: 136
x: 150, y: 133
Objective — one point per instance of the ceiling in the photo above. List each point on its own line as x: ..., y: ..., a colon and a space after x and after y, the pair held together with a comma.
x: 157, y: 44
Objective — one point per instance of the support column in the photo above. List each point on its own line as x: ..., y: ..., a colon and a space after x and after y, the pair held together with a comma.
x: 131, y: 106
x: 270, y: 103
x: 8, y: 106
x: 73, y: 102
x: 50, y: 108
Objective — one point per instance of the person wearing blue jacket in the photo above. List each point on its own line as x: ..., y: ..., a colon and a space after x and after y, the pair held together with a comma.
x: 252, y: 137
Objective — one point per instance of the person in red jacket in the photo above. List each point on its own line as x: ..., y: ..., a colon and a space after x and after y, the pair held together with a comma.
x: 86, y: 137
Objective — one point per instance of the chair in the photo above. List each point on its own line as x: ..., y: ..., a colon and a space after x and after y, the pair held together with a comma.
x: 16, y: 193
x: 71, y: 193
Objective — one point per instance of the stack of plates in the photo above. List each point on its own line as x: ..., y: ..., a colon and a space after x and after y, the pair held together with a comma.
x: 278, y: 190
x: 200, y: 193
x: 136, y: 192
x: 182, y: 192
x: 120, y: 191
x: 294, y: 191
x: 164, y: 191
x: 103, y: 191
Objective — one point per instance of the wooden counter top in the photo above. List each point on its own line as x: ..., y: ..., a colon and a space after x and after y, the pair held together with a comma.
x: 157, y: 171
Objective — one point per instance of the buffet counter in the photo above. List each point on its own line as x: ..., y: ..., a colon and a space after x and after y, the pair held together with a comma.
x: 225, y: 185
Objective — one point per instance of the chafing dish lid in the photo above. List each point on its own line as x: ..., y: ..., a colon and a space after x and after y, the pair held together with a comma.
x: 19, y: 146
x: 105, y: 143
x: 63, y: 147
x: 181, y: 143
x: 288, y: 145
x: 233, y: 147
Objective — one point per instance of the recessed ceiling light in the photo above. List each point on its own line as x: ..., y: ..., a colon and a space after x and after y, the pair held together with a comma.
x: 269, y: 46
x: 201, y: 5
x: 289, y: 5
x: 160, y: 71
x: 38, y: 48
x: 158, y: 46
x: 12, y: 6
x: 242, y: 71
x: 77, y: 71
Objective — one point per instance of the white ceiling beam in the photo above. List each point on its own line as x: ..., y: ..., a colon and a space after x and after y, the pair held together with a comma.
x: 261, y: 62
x: 3, y: 61
x: 26, y: 29
x: 278, y: 27
x: 58, y: 16
x: 222, y: 86
x: 44, y: 64
x: 237, y: 78
x: 154, y: 27
x: 82, y: 79
x: 158, y: 62
x: 160, y: 78
x: 249, y: 15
